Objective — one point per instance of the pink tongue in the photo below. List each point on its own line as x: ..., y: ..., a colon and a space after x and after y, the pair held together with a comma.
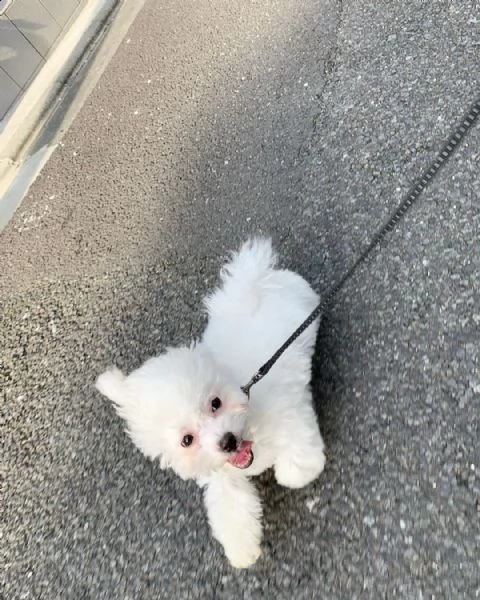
x: 243, y: 456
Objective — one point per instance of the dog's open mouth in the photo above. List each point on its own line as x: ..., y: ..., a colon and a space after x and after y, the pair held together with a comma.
x: 242, y: 458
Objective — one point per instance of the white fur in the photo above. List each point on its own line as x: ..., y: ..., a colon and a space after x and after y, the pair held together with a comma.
x: 250, y: 315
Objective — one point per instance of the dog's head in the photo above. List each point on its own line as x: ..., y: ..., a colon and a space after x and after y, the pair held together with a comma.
x: 182, y: 408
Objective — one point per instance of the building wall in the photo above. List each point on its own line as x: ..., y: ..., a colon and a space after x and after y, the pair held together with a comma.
x: 29, y: 30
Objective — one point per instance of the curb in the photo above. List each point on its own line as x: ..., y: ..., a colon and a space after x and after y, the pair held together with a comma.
x: 56, y: 95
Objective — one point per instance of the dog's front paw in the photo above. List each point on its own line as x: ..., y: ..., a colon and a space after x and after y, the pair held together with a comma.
x: 243, y: 556
x: 234, y: 513
x: 293, y: 473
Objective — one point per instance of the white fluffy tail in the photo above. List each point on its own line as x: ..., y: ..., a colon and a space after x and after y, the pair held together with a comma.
x: 252, y: 263
x: 244, y: 278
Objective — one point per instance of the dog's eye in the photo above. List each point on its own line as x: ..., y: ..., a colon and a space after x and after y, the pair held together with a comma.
x: 187, y: 440
x: 216, y: 404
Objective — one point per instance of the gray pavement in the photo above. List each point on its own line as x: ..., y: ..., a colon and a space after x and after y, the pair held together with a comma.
x: 306, y: 121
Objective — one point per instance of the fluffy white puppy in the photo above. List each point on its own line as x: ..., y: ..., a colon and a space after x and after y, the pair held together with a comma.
x: 186, y: 407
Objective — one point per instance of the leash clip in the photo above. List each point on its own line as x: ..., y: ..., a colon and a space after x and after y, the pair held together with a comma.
x: 255, y: 379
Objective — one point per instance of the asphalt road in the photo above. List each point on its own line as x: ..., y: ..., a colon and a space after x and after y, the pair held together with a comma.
x: 306, y: 121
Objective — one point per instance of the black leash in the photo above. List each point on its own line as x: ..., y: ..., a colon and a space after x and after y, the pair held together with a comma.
x: 415, y: 191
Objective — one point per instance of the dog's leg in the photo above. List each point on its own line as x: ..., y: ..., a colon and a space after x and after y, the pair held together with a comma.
x: 234, y: 512
x: 303, y: 458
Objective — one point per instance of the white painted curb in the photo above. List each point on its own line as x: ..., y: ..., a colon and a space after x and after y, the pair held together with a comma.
x: 84, y: 52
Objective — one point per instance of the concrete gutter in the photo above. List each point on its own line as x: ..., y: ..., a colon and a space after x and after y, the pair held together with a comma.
x: 54, y: 98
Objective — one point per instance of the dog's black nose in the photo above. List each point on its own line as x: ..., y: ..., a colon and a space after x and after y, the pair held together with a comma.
x: 228, y: 443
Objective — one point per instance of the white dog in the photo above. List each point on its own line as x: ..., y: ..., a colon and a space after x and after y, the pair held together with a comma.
x: 186, y: 407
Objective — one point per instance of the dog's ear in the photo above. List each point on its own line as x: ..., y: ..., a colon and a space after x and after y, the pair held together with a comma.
x: 112, y: 385
x: 140, y: 428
